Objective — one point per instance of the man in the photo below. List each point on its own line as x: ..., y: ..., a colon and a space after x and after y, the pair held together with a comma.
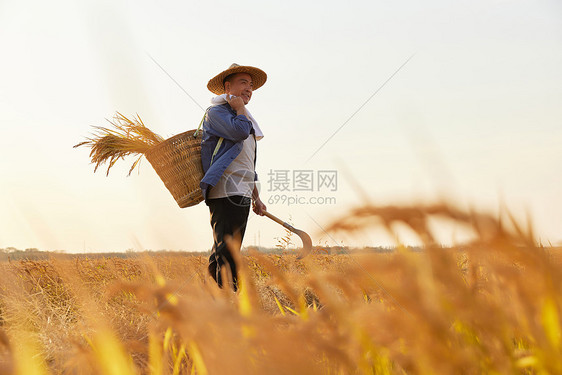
x: 228, y: 154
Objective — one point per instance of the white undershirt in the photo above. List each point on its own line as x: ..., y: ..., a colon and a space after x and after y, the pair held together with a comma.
x: 238, y: 177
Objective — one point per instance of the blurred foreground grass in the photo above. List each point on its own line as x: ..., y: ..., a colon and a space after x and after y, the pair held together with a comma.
x: 491, y: 306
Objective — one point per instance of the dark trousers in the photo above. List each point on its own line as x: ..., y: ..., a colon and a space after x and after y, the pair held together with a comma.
x: 229, y: 216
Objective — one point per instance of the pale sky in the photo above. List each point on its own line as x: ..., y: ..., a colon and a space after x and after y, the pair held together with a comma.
x: 475, y: 115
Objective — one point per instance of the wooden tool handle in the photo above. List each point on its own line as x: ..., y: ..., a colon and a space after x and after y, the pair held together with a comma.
x: 274, y: 218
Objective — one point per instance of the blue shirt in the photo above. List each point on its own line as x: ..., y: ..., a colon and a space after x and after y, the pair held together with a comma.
x: 222, y: 121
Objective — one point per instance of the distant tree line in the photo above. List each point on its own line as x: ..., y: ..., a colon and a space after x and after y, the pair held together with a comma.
x: 12, y: 253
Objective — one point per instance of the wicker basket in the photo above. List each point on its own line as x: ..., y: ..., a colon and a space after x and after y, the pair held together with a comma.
x: 177, y: 161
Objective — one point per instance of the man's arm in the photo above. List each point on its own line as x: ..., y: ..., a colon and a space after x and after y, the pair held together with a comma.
x: 257, y: 204
x: 223, y: 124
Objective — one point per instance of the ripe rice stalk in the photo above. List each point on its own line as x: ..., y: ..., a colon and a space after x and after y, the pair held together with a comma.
x: 490, y: 305
x: 127, y: 137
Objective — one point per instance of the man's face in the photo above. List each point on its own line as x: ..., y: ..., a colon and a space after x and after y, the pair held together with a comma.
x: 240, y: 85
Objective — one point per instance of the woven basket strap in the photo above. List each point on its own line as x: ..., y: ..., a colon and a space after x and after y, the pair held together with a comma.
x: 216, y: 149
x: 199, y: 127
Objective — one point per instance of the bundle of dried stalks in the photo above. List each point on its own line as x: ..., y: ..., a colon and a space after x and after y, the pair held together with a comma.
x: 129, y: 137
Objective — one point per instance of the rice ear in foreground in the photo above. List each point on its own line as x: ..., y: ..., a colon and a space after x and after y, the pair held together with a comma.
x: 176, y: 160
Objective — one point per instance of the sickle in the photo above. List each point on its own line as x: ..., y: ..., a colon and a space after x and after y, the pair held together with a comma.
x: 306, y: 240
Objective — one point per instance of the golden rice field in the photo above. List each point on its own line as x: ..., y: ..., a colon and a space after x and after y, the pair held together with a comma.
x: 490, y: 306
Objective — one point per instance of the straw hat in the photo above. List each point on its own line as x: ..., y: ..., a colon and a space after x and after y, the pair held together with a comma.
x: 216, y: 84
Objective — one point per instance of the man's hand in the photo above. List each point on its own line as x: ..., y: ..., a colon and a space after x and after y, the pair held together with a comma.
x: 258, y: 206
x: 237, y: 104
